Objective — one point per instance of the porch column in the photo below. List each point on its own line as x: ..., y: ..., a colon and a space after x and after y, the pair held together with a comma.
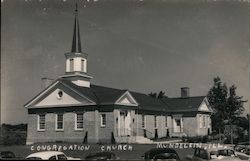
x: 181, y: 124
x: 118, y: 125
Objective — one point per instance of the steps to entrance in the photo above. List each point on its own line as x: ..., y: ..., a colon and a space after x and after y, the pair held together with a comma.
x: 142, y: 140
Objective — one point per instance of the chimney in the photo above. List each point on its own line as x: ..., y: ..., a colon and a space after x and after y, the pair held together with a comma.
x: 46, y: 82
x: 184, y: 92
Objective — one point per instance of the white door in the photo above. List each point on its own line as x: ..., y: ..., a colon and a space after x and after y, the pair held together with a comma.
x: 122, y: 123
x: 127, y: 122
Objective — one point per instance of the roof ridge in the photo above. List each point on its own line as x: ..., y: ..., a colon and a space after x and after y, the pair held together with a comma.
x: 108, y: 87
x: 184, y: 97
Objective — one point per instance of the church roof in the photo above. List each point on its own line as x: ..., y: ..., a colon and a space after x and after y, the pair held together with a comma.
x: 183, y: 104
x: 108, y: 96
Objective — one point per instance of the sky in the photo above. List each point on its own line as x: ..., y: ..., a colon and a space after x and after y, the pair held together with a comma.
x: 140, y: 45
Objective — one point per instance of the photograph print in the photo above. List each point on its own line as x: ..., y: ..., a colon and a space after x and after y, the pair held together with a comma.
x: 125, y: 80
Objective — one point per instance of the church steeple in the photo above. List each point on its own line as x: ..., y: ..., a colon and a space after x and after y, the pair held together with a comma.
x: 76, y: 60
x: 76, y: 43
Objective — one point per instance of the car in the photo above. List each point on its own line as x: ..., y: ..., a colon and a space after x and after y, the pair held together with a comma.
x: 7, y: 155
x: 214, y: 154
x: 243, y: 147
x: 243, y: 150
x: 49, y: 155
x: 161, y: 154
x: 101, y: 156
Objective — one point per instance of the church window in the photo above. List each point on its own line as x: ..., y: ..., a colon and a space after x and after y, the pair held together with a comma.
x: 166, y: 121
x: 59, y: 122
x: 79, y: 121
x: 103, y: 120
x: 204, y: 121
x: 59, y: 94
x: 200, y: 121
x: 155, y: 121
x: 143, y: 121
x: 178, y: 122
x: 41, y: 122
x: 71, y: 65
x: 82, y: 65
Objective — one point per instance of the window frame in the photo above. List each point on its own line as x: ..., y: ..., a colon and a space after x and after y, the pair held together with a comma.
x: 143, y: 124
x: 155, y: 122
x: 178, y: 122
x: 76, y: 120
x: 204, y: 121
x: 71, y: 64
x: 39, y: 122
x: 200, y: 121
x: 56, y: 122
x: 82, y: 65
x: 166, y: 121
x: 208, y: 122
x: 103, y: 123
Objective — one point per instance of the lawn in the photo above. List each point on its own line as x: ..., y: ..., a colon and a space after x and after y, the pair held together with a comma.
x: 123, y: 151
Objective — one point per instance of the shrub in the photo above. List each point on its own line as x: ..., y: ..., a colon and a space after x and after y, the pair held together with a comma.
x: 196, y: 139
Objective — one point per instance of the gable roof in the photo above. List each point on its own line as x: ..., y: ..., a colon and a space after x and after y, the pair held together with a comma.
x: 108, y: 96
x: 183, y: 104
x: 149, y: 103
x: 101, y: 95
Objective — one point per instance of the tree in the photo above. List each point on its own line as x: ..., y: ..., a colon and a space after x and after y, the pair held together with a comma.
x: 227, y: 106
x: 217, y: 98
x: 161, y: 94
x: 154, y: 95
x: 234, y: 106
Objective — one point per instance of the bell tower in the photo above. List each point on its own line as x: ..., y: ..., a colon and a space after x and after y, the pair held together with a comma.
x: 76, y: 60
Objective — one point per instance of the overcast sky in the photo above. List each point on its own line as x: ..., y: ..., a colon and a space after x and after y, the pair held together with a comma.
x: 145, y: 46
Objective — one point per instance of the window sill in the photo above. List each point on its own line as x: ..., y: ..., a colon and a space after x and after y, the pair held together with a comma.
x: 103, y: 126
x: 59, y: 130
x: 40, y: 130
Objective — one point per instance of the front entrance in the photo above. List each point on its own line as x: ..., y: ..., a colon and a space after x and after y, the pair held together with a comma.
x: 177, y: 125
x: 124, y: 123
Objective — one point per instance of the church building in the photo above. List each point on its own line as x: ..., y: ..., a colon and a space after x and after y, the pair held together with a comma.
x: 71, y: 109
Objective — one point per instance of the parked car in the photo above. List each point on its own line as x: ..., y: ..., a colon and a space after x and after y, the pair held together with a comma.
x: 7, y: 155
x: 214, y: 154
x: 101, y: 156
x: 243, y: 150
x: 161, y: 154
x: 243, y: 147
x: 50, y: 155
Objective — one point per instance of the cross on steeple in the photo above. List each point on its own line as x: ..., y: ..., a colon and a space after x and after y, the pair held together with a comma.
x: 76, y: 43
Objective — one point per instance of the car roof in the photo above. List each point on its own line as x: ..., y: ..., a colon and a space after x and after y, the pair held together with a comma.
x: 45, y: 154
x: 162, y: 149
x: 216, y: 149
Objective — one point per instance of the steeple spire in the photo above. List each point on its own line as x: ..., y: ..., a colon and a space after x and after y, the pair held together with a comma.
x: 76, y: 43
x: 76, y: 60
